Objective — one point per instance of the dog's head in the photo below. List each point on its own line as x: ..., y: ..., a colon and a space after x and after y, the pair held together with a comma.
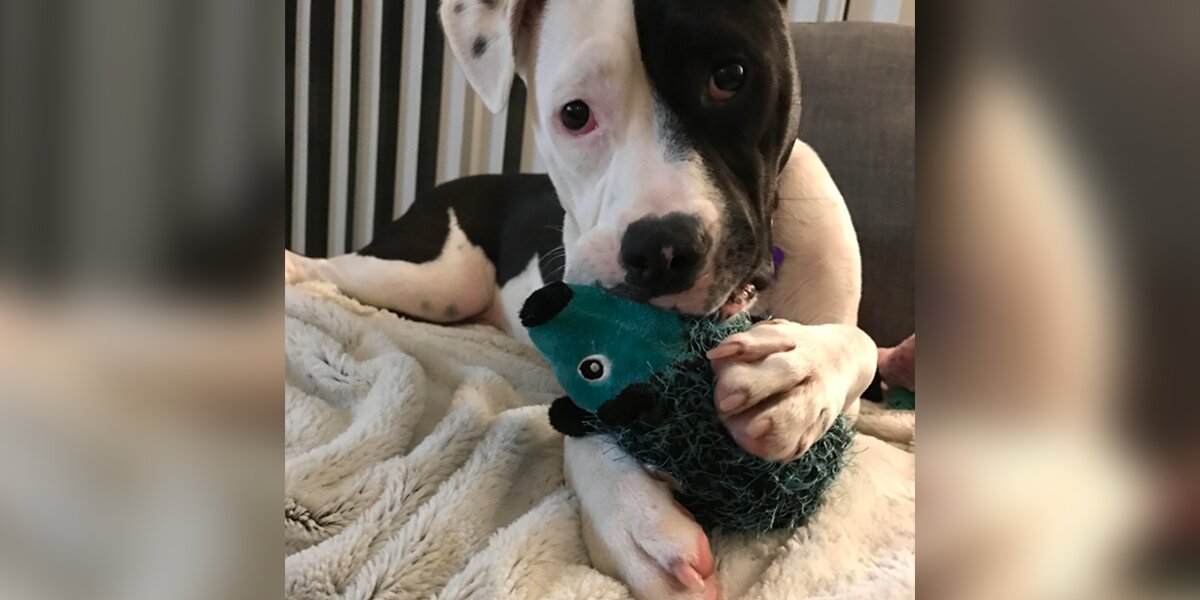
x: 664, y: 125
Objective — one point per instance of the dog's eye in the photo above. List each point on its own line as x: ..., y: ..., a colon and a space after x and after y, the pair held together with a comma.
x: 595, y: 368
x: 727, y: 78
x: 577, y: 117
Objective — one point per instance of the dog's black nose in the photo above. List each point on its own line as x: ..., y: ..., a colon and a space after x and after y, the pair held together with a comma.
x: 663, y: 255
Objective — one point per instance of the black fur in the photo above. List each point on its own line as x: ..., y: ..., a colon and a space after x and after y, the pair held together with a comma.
x: 512, y: 218
x: 744, y: 141
x: 416, y: 237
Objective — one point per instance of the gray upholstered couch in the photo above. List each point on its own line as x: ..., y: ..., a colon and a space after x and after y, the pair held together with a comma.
x: 857, y: 89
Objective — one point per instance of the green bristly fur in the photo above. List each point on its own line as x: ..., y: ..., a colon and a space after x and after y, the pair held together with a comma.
x: 722, y: 484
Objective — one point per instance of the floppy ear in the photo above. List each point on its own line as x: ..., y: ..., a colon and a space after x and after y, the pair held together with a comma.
x: 485, y: 36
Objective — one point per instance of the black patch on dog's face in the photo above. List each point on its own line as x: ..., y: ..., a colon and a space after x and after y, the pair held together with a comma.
x: 743, y: 141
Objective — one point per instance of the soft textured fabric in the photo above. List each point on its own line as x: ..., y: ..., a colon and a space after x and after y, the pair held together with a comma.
x: 420, y: 464
x: 858, y: 112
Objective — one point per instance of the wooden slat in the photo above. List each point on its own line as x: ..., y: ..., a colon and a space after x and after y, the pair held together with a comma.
x: 495, y: 143
x: 832, y: 10
x: 812, y: 11
x: 514, y: 132
x: 885, y: 11
x: 457, y: 113
x: 409, y: 131
x: 339, y: 157
x: 368, y: 122
x: 530, y: 160
x: 300, y: 125
x: 805, y: 11
x: 480, y: 126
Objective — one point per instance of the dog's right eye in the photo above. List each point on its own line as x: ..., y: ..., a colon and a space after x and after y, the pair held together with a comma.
x: 577, y: 117
x: 727, y: 78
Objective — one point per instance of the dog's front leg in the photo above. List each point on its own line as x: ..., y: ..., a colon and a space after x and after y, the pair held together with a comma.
x: 781, y: 385
x: 632, y: 526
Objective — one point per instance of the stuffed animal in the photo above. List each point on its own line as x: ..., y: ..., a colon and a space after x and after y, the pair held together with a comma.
x: 639, y: 374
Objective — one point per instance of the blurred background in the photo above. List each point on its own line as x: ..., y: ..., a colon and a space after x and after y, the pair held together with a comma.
x: 1058, y: 288
x: 141, y: 178
x: 378, y: 111
x: 146, y: 159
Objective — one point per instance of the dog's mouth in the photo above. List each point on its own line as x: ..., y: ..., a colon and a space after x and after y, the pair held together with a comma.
x: 740, y: 300
x: 701, y: 299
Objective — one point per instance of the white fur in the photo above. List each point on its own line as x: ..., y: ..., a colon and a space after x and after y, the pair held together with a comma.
x: 820, y: 280
x: 513, y: 295
x: 444, y: 290
x: 490, y: 74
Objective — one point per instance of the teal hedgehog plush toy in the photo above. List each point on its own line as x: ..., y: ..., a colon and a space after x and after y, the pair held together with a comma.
x: 639, y: 374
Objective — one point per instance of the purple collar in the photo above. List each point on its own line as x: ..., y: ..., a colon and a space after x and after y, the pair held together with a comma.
x: 777, y: 258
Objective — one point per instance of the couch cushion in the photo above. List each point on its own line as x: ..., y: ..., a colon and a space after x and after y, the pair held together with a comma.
x: 857, y: 85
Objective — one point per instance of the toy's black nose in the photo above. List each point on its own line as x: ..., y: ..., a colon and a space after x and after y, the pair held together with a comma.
x: 663, y: 255
x: 545, y: 304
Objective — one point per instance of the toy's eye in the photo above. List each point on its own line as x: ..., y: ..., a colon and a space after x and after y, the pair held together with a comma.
x: 595, y: 368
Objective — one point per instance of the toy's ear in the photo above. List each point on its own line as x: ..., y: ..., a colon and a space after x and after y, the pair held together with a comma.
x: 633, y: 402
x: 569, y: 419
x: 545, y: 304
x: 488, y: 38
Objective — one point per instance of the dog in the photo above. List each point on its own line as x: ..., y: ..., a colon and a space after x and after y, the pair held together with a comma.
x: 669, y: 130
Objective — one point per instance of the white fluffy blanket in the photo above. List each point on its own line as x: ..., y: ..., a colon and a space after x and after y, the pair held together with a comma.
x: 420, y: 463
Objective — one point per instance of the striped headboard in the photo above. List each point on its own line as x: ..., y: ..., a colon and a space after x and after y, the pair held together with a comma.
x: 378, y: 110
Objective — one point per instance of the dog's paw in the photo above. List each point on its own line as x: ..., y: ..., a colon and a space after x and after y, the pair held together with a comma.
x: 780, y: 386
x: 657, y: 549
x: 634, y: 529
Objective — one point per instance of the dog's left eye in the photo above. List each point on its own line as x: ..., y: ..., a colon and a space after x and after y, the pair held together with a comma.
x: 577, y: 117
x: 727, y: 78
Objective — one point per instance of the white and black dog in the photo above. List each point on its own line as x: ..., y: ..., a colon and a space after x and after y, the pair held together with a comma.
x: 668, y: 128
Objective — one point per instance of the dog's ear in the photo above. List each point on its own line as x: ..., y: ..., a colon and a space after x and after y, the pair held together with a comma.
x: 487, y: 37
